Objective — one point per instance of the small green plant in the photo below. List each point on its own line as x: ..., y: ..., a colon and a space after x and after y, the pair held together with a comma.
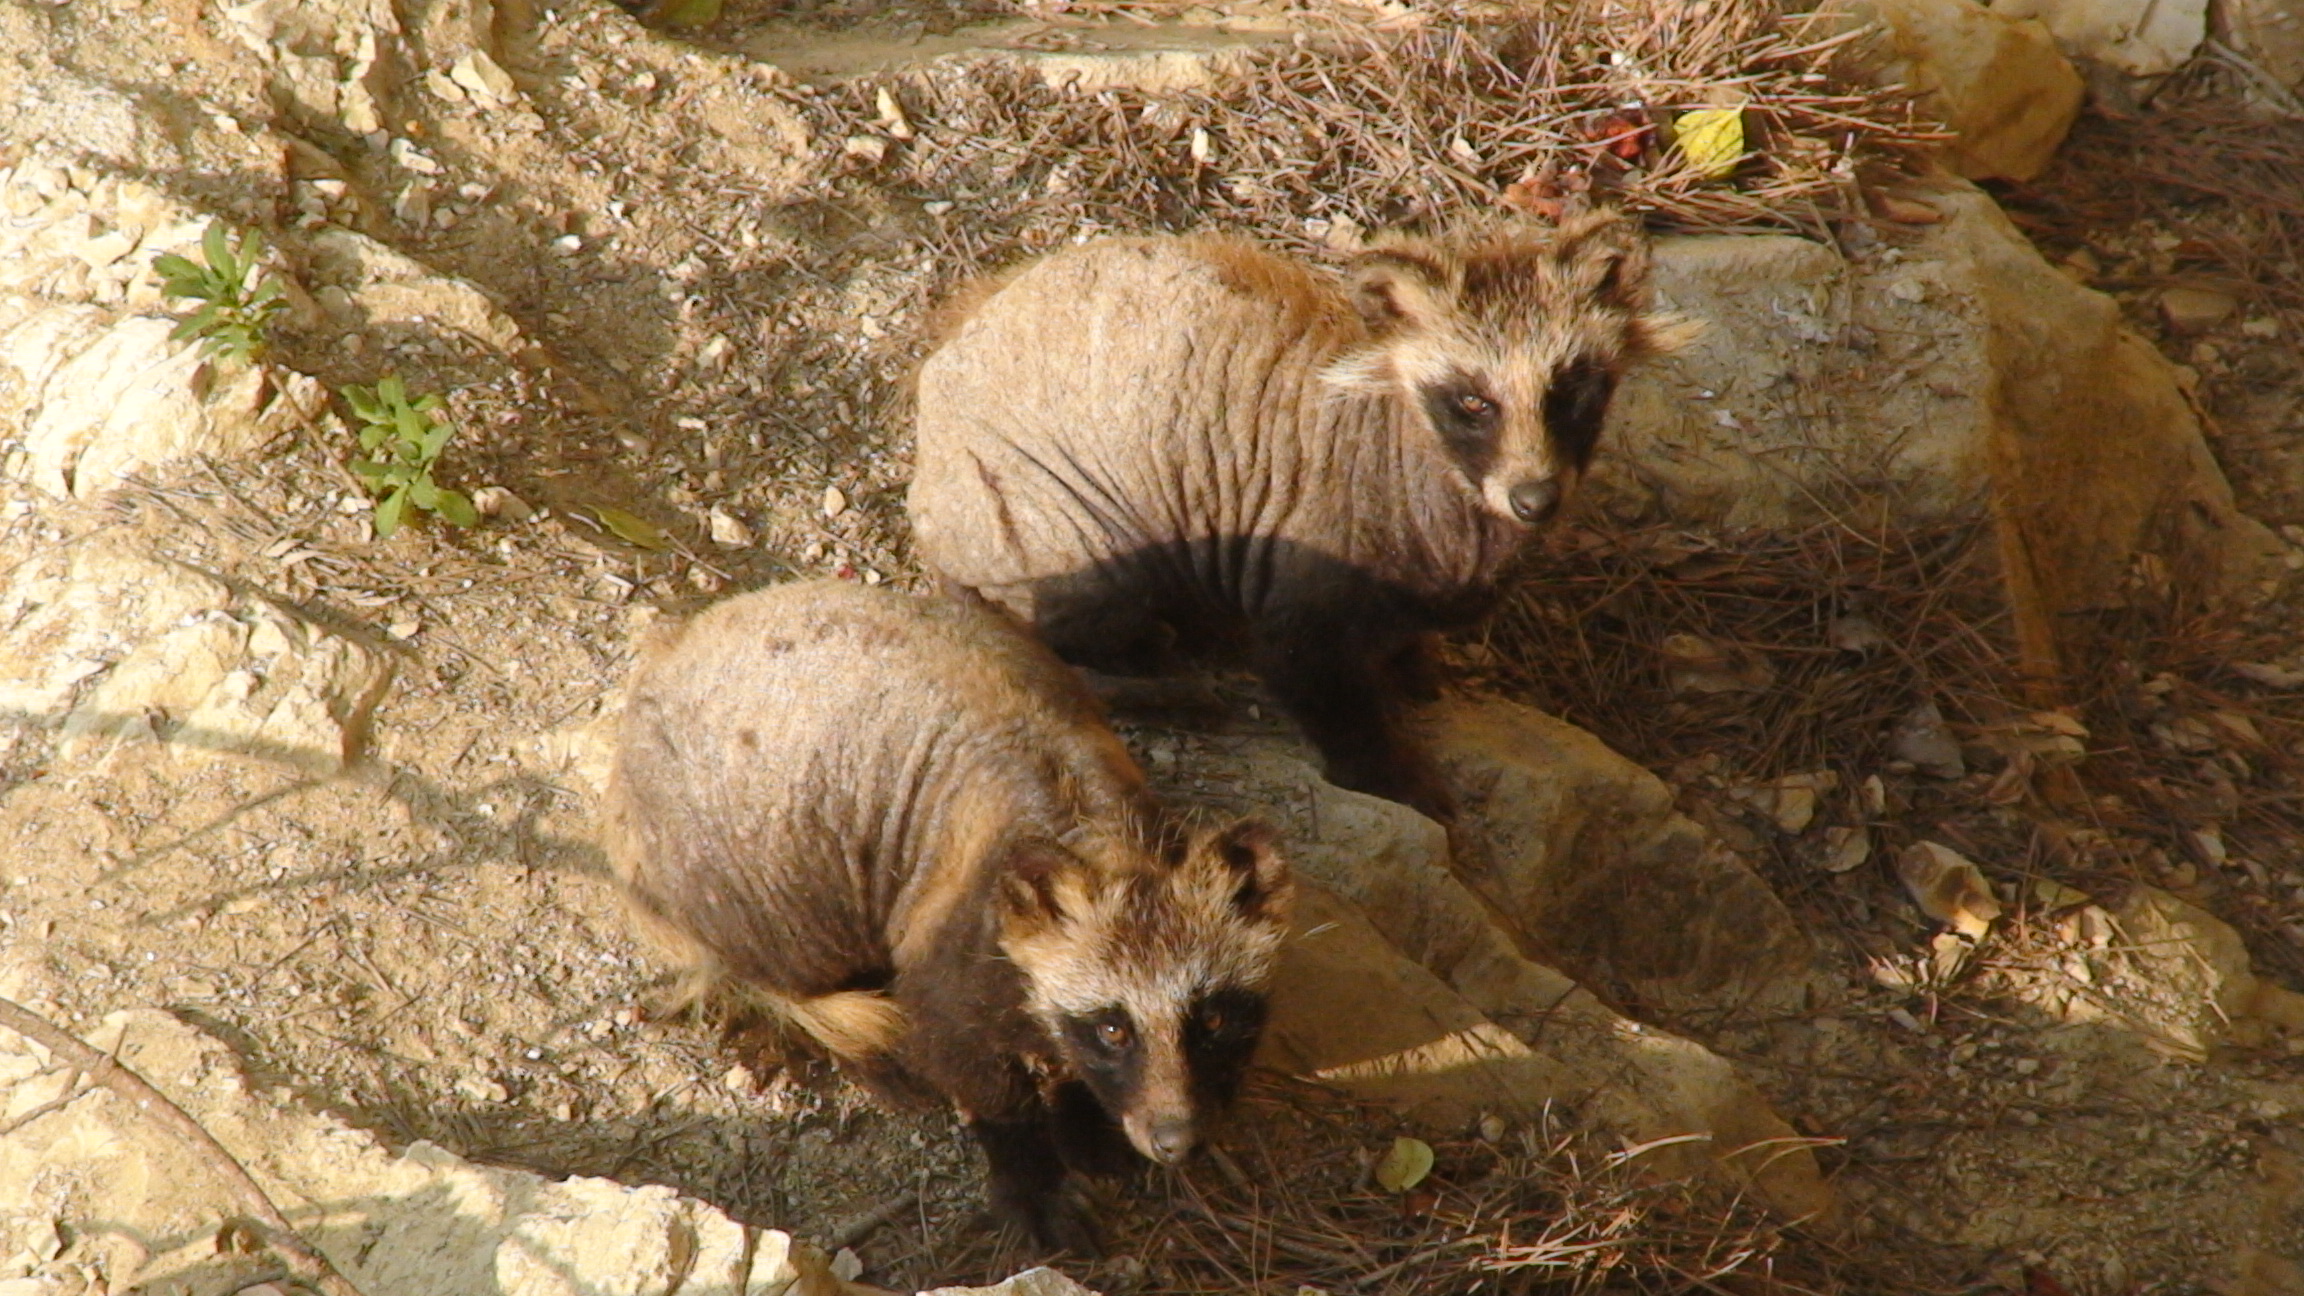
x: 233, y: 312
x: 401, y: 440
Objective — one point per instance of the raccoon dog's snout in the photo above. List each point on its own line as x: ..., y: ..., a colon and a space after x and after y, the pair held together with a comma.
x: 1165, y: 1139
x: 1534, y: 502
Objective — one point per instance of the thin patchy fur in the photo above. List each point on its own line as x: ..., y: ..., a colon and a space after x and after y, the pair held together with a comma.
x: 1146, y: 443
x: 903, y: 827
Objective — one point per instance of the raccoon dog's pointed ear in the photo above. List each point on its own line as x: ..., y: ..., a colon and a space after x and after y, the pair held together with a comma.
x: 1250, y: 851
x: 1044, y: 887
x: 1400, y: 286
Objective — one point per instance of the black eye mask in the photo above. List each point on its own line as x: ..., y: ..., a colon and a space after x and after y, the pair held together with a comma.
x: 1108, y: 1065
x: 1574, y: 408
x: 1220, y: 1035
x: 1466, y: 417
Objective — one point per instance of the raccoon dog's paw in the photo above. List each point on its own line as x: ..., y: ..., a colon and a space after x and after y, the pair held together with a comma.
x: 1061, y: 1220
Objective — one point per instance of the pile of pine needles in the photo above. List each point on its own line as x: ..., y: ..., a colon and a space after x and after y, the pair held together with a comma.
x: 1768, y: 651
x: 1735, y: 659
x: 1287, y: 1202
x: 1424, y: 114
x: 2226, y: 176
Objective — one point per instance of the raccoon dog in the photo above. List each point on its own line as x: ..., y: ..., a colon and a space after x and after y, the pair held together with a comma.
x: 1147, y: 443
x: 900, y: 826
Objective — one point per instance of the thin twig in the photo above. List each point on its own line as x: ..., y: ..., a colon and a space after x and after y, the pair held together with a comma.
x: 72, y: 1093
x: 268, y: 1223
x: 871, y: 1221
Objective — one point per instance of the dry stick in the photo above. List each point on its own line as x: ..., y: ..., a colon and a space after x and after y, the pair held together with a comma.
x: 72, y: 1094
x: 866, y: 1224
x: 269, y: 1224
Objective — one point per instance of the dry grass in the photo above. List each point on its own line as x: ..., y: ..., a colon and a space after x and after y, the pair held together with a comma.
x: 1426, y: 114
x: 1287, y: 1203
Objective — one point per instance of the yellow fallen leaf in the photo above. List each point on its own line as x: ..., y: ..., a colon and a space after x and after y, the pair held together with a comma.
x: 1712, y: 139
x: 1405, y: 1165
x: 631, y: 527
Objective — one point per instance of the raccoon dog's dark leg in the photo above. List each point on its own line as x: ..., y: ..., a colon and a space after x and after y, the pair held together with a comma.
x: 1415, y: 669
x: 1339, y: 688
x: 1028, y: 1183
x: 1104, y: 619
x: 1087, y: 1138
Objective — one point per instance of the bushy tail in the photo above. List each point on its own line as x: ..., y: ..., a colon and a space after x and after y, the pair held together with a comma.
x: 853, y: 1025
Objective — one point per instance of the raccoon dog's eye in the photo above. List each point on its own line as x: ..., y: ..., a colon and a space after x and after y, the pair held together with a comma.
x: 1212, y: 1019
x: 1114, y: 1035
x: 1476, y: 407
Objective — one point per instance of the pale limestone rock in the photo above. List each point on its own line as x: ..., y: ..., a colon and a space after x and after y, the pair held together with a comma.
x: 2139, y: 37
x: 484, y: 79
x: 1402, y: 985
x: 69, y: 244
x: 383, y: 287
x: 88, y: 374
x: 1567, y: 855
x: 322, y: 54
x: 1964, y: 375
x: 100, y: 398
x: 417, y: 1224
x: 1997, y: 80
x: 104, y: 642
x: 1031, y: 1282
x: 1350, y: 1010
x: 2169, y: 971
x: 1582, y: 855
x: 2268, y: 33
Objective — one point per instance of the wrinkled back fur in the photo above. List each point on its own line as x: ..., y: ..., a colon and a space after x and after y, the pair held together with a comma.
x: 1148, y: 443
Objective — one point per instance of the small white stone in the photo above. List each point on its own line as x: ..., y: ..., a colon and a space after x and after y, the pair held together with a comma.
x: 407, y: 155
x: 892, y: 114
x: 496, y: 501
x: 728, y: 532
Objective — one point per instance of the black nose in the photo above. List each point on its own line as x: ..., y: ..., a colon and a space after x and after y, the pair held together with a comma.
x: 1535, y: 501
x: 1170, y: 1140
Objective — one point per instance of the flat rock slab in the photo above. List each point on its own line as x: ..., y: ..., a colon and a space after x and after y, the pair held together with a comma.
x: 1582, y: 855
x: 1956, y: 375
x: 1406, y: 985
x: 140, y: 1210
x: 105, y: 642
x: 1351, y: 1011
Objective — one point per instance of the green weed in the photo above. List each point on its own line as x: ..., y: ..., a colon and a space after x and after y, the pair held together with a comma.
x: 233, y: 312
x: 401, y: 440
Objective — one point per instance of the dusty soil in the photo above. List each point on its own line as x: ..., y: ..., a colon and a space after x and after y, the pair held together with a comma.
x: 720, y: 301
